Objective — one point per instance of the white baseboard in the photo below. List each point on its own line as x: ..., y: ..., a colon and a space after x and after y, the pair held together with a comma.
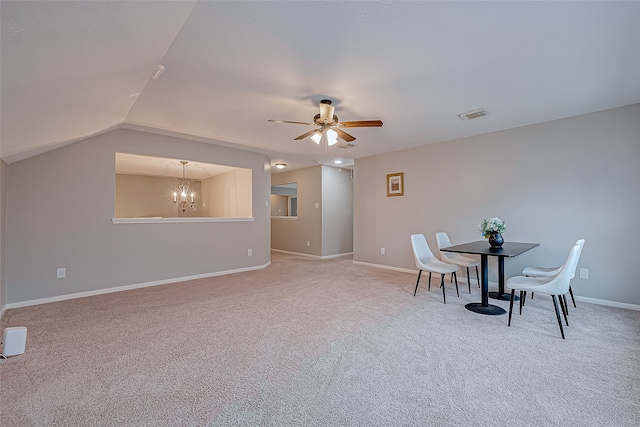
x: 495, y: 286
x: 129, y: 287
x: 635, y: 307
x: 312, y: 256
x: 386, y: 267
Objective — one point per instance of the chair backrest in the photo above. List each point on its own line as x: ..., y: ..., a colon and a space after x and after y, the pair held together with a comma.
x: 559, y: 285
x: 579, y: 243
x: 421, y: 251
x: 443, y: 242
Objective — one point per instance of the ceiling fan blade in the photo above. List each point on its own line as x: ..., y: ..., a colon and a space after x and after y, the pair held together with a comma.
x: 361, y: 124
x: 304, y: 135
x: 343, y: 135
x: 295, y: 123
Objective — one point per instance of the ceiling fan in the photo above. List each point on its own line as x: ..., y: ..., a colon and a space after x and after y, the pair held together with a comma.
x: 328, y: 130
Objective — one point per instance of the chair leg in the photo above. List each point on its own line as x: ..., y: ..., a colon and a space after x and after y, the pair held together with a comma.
x: 469, y: 280
x: 513, y: 292
x: 444, y: 297
x: 477, y: 276
x: 521, y: 303
x: 566, y: 305
x: 455, y: 276
x: 429, y: 287
x: 555, y: 304
x: 525, y: 298
x: 572, y: 298
x: 531, y: 295
x: 418, y: 281
x: 563, y: 305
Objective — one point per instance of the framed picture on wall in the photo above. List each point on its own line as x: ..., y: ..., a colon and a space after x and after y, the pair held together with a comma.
x: 395, y: 184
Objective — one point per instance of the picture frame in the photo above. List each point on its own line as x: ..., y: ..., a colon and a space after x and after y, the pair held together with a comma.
x: 395, y: 184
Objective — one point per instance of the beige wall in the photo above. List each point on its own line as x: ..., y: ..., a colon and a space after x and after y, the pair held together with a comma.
x: 552, y: 183
x: 337, y: 211
x: 292, y: 234
x: 140, y: 196
x: 329, y: 226
x: 228, y: 195
x: 59, y: 210
x: 3, y: 193
x: 279, y: 205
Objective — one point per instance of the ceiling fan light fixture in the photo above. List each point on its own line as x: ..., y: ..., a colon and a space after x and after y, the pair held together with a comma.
x: 281, y: 165
x: 316, y: 137
x: 332, y: 137
x: 326, y: 111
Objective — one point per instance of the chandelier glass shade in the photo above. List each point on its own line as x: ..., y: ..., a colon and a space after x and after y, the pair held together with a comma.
x: 184, y: 197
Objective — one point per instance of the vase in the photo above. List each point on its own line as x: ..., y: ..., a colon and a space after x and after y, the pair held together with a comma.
x: 496, y: 240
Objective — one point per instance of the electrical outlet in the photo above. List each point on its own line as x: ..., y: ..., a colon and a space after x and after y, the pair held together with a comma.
x: 308, y: 243
x: 381, y: 251
x: 584, y: 273
x: 249, y: 252
x: 61, y: 273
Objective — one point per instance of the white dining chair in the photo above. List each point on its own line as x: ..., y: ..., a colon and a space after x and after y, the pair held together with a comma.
x: 555, y: 286
x: 533, y: 271
x: 427, y: 261
x: 443, y: 241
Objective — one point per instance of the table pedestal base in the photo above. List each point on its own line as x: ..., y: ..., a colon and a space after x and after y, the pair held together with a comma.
x: 492, y: 310
x: 503, y: 297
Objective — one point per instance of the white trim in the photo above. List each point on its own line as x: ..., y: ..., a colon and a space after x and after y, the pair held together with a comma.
x: 336, y: 255
x: 284, y: 217
x: 173, y: 220
x: 386, y: 267
x: 311, y: 256
x: 130, y: 287
x: 588, y: 300
x: 495, y: 285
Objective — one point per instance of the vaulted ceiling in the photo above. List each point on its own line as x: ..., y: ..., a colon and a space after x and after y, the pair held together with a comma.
x: 70, y: 70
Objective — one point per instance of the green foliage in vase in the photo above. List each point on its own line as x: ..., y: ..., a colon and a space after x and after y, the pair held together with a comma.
x: 492, y: 225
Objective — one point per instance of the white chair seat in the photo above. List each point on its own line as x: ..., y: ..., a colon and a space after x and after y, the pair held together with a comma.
x: 426, y: 261
x: 443, y: 241
x: 541, y: 271
x: 556, y: 286
x: 524, y: 283
x: 439, y: 267
x: 552, y: 271
x: 461, y: 260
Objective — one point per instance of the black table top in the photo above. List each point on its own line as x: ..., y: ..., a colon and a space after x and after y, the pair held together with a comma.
x: 482, y: 247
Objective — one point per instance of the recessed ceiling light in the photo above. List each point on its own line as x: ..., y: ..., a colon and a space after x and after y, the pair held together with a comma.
x: 281, y: 165
x: 337, y: 162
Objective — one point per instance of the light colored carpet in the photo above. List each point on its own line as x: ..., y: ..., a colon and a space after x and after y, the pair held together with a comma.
x: 317, y: 343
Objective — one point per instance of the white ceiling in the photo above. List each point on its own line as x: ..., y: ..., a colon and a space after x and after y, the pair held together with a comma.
x: 133, y: 164
x: 70, y: 70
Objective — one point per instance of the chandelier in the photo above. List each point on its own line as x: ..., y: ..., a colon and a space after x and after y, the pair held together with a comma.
x: 184, y: 198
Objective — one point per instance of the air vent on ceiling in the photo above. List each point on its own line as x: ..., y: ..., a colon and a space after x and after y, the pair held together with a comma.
x: 346, y: 145
x: 473, y: 114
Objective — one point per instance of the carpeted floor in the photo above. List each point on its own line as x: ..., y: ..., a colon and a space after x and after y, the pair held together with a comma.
x: 306, y: 342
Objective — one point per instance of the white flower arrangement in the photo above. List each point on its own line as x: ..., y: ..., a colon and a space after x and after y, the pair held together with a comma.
x: 492, y: 225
